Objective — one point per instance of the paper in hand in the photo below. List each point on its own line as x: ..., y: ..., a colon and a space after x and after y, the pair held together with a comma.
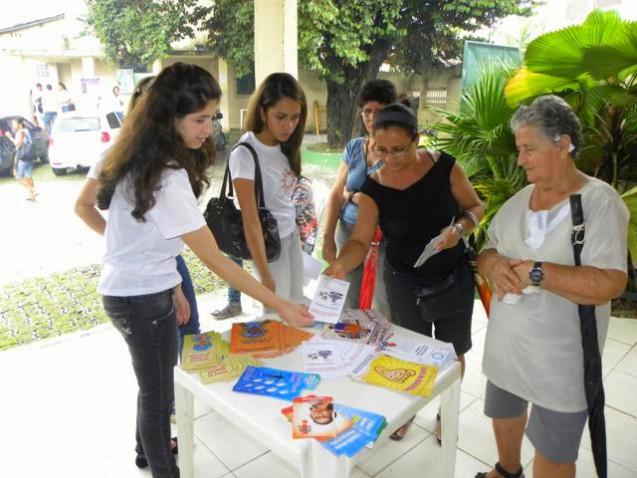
x: 329, y: 299
x: 430, y: 248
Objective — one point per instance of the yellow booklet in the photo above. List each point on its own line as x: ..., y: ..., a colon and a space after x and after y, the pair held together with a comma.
x: 401, y: 375
x: 201, y: 351
x: 228, y: 367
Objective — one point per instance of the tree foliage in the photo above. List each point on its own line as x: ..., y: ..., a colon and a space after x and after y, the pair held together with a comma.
x: 136, y: 32
x: 346, y: 41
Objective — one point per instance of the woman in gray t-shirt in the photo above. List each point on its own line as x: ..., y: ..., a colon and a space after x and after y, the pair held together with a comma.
x: 533, y: 349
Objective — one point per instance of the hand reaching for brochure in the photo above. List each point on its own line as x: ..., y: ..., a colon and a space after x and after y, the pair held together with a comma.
x: 335, y: 270
x: 295, y: 314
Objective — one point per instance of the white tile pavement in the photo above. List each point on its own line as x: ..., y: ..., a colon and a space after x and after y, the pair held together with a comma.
x: 67, y: 410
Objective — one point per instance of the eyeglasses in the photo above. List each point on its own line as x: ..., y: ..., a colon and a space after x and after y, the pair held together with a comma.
x: 396, y: 153
x: 370, y: 112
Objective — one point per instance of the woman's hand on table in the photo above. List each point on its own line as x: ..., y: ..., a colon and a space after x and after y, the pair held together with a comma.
x: 295, y: 314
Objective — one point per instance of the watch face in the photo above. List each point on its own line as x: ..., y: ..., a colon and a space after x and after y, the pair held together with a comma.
x: 536, y: 275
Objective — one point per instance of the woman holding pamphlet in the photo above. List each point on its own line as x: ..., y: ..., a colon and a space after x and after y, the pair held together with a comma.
x: 553, y: 280
x: 424, y: 204
x: 150, y: 182
x: 275, y: 122
x: 341, y: 211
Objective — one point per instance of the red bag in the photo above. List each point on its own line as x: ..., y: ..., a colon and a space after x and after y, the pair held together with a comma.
x: 368, y: 281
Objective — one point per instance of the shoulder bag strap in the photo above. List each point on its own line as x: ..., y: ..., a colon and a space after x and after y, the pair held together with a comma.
x: 258, y: 179
x: 579, y: 227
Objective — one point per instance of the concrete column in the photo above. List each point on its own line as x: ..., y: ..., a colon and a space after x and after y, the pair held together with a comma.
x: 224, y: 104
x: 88, y: 66
x: 275, y: 38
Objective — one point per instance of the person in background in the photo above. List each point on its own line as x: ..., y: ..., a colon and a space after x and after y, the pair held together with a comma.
x: 341, y: 212
x: 233, y: 307
x: 64, y: 99
x: 24, y: 156
x: 415, y: 197
x: 533, y: 348
x: 118, y: 103
x: 38, y: 108
x: 50, y: 108
x: 150, y: 181
x: 275, y: 122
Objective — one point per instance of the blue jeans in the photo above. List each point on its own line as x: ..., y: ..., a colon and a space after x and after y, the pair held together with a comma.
x: 149, y: 327
x: 192, y: 327
x: 49, y: 118
x: 234, y: 295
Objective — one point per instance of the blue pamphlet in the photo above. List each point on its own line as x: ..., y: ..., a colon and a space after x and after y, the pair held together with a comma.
x: 366, y: 428
x: 275, y: 383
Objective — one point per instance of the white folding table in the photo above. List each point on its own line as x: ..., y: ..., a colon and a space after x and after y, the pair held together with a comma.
x: 261, y: 417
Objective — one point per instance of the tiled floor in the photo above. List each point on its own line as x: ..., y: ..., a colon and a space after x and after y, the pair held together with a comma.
x: 67, y: 409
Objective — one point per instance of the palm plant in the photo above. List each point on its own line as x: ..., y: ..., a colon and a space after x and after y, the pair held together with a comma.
x: 481, y: 140
x: 593, y: 67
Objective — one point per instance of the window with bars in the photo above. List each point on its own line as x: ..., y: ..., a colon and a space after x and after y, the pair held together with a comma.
x: 437, y: 97
x: 42, y: 71
x: 245, y: 84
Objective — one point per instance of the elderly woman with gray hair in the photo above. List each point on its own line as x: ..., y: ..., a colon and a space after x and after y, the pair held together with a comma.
x: 533, y: 349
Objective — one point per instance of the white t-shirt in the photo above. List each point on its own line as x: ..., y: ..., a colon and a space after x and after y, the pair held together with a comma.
x: 278, y: 179
x: 533, y: 346
x: 140, y: 256
x: 49, y: 101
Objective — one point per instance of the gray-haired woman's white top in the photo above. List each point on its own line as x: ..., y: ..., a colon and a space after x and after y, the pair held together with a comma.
x: 533, y: 346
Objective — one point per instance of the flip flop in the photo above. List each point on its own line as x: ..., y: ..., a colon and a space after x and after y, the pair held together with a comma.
x: 503, y: 472
x: 402, y: 431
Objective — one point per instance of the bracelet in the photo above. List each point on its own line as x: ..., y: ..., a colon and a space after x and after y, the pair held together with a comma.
x: 472, y: 217
x: 459, y: 228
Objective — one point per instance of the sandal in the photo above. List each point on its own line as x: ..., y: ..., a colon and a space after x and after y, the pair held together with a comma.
x: 402, y: 431
x: 141, y: 461
x: 503, y: 473
x: 438, y: 428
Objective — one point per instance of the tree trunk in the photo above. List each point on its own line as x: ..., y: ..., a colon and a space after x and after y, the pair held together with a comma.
x: 342, y: 108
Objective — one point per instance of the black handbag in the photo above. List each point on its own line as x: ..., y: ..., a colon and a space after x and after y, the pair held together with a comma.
x: 447, y: 297
x: 226, y: 223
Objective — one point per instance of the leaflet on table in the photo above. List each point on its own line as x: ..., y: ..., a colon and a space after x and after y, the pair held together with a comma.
x: 397, y: 374
x: 276, y: 383
x: 425, y: 350
x: 315, y: 417
x: 329, y: 299
x: 360, y: 325
x: 229, y: 366
x: 201, y: 351
x: 333, y: 358
x: 363, y: 432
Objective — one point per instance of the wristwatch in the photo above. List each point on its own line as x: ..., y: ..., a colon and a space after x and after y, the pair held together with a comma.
x: 536, y: 274
x: 459, y: 228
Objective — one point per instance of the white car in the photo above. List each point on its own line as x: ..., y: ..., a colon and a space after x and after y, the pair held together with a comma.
x: 78, y: 140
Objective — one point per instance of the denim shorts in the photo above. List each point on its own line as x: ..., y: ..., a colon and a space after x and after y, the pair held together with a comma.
x: 556, y: 435
x: 24, y: 169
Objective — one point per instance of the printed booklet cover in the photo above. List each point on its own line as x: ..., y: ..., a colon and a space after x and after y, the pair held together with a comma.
x: 201, y: 351
x: 410, y: 377
x: 315, y: 417
x: 255, y: 337
x: 275, y: 383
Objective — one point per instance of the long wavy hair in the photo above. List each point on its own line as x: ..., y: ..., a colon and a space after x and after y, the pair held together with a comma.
x: 273, y: 89
x: 148, y: 142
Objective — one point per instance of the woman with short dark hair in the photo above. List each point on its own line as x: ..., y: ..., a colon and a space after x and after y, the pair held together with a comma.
x: 533, y: 349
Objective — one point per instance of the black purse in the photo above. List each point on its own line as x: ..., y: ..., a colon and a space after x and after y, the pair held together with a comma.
x: 226, y: 223
x: 448, y: 297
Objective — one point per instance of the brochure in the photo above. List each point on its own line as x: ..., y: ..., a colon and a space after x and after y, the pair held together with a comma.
x: 360, y: 325
x: 200, y: 351
x: 255, y: 337
x: 329, y: 299
x: 275, y: 383
x: 410, y: 377
x: 315, y: 417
